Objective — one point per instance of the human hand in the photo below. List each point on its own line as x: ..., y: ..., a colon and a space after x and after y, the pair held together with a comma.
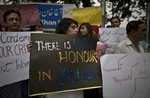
x: 29, y: 46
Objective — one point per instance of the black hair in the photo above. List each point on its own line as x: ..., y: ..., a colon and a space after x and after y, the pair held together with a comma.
x: 89, y: 29
x: 108, y: 26
x: 8, y: 12
x: 115, y: 17
x: 32, y: 28
x: 133, y: 25
x: 64, y: 24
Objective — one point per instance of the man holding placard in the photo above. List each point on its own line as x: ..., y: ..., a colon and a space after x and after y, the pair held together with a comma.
x: 12, y: 19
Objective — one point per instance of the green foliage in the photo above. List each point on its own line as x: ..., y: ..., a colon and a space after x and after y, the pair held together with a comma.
x: 125, y: 8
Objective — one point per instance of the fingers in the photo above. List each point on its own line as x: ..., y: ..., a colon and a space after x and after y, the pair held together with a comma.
x: 29, y: 46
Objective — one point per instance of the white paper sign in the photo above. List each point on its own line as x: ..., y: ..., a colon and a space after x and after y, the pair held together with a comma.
x: 111, y: 36
x: 68, y: 10
x: 126, y: 75
x: 14, y: 57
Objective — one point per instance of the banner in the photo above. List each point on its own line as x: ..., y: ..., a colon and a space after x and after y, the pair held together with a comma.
x: 51, y: 14
x: 61, y: 63
x: 29, y: 13
x: 126, y: 75
x: 93, y: 15
x: 32, y: 14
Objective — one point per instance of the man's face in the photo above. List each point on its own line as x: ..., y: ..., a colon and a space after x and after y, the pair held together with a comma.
x: 141, y: 33
x: 13, y: 22
x: 115, y: 22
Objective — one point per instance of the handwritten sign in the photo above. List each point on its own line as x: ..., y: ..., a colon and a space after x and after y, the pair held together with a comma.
x: 29, y: 13
x: 127, y: 77
x: 93, y: 15
x: 68, y: 10
x: 61, y: 63
x: 111, y: 37
x: 14, y: 58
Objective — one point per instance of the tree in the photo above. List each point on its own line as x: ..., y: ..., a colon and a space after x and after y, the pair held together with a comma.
x: 125, y: 8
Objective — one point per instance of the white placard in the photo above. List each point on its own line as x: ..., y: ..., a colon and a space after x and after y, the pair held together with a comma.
x: 14, y: 57
x: 111, y: 37
x: 68, y: 10
x: 126, y: 75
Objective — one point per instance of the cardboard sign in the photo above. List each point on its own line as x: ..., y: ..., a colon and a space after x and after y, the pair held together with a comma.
x: 61, y: 63
x: 127, y: 74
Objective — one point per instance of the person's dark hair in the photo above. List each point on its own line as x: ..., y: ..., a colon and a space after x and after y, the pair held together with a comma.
x: 89, y: 29
x: 109, y: 26
x: 133, y: 25
x: 32, y: 28
x: 64, y: 24
x: 8, y: 12
x: 115, y: 17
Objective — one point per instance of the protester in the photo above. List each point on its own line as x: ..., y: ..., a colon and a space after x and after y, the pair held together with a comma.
x: 136, y: 31
x: 67, y: 26
x: 115, y: 22
x: 85, y: 29
x: 12, y: 19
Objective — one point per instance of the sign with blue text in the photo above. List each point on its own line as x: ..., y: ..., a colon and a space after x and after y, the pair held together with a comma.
x: 61, y: 63
x: 50, y: 15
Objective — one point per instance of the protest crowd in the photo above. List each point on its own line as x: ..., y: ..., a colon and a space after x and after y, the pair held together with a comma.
x: 44, y: 54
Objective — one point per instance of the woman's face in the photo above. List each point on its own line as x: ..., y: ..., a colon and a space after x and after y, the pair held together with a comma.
x: 83, y: 30
x: 13, y: 22
x: 72, y: 30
